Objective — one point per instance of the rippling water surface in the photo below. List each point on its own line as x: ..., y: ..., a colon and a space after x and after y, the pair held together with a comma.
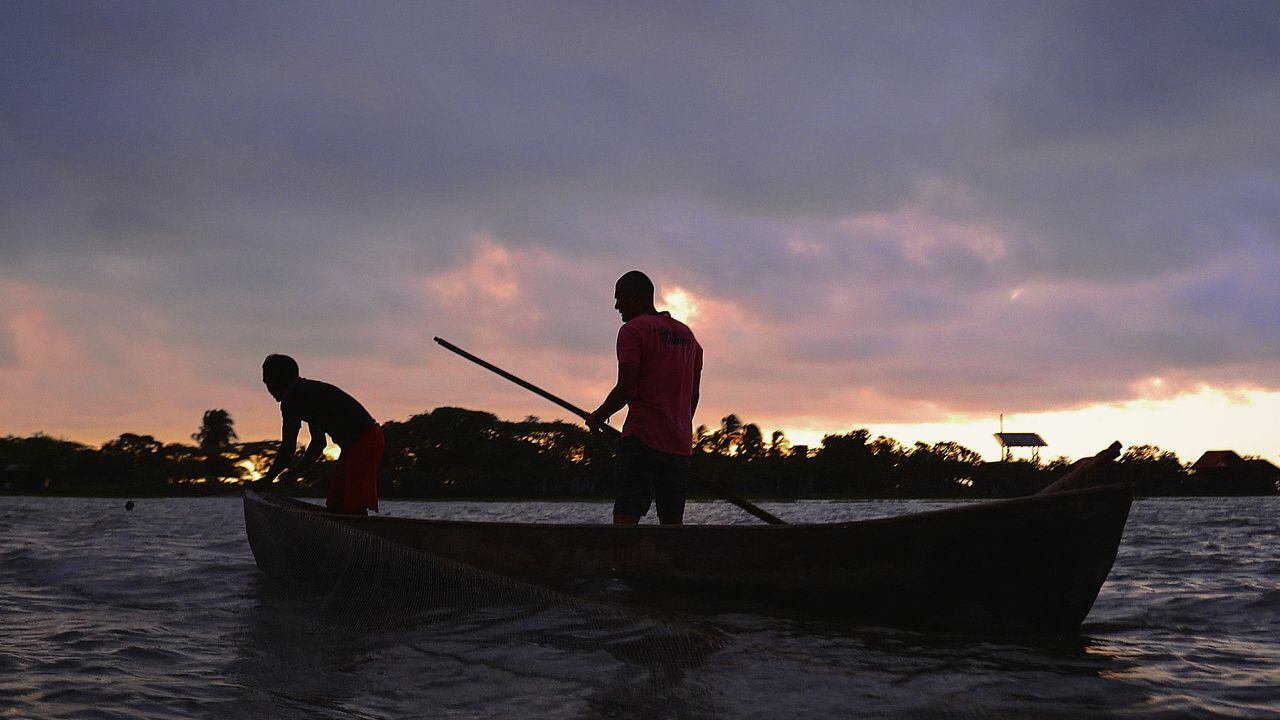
x: 161, y: 612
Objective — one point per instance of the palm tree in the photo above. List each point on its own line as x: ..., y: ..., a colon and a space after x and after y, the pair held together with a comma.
x: 215, y: 436
x: 729, y: 436
x: 778, y: 444
x: 751, y: 442
x: 702, y: 439
x: 216, y: 432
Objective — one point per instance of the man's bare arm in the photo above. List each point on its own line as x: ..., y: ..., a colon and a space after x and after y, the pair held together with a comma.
x: 697, y: 392
x: 288, y: 443
x: 618, y: 397
x: 314, y: 449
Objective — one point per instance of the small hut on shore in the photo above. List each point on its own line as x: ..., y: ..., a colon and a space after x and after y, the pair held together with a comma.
x: 1224, y: 472
x: 1009, y: 441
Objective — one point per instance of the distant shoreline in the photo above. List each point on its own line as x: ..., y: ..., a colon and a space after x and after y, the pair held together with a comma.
x: 543, y: 499
x: 451, y: 452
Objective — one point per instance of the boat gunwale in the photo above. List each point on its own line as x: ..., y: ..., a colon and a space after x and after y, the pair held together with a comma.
x: 289, y: 504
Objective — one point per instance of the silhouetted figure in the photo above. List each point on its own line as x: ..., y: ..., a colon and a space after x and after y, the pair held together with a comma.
x: 659, y: 373
x: 327, y: 410
x: 129, y: 505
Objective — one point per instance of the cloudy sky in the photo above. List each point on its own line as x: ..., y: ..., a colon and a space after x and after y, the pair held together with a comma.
x: 909, y: 217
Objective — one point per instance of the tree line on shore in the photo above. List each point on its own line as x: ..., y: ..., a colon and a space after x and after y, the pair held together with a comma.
x: 453, y: 452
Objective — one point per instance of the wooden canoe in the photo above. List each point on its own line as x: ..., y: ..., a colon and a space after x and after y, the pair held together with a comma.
x: 1032, y: 564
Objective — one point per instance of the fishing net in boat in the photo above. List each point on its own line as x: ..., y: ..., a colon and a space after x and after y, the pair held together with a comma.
x: 367, y: 579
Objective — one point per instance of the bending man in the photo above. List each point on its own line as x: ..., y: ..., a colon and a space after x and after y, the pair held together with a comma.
x: 659, y: 373
x: 353, y: 487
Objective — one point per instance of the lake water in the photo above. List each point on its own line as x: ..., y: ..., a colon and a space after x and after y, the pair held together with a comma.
x: 161, y: 612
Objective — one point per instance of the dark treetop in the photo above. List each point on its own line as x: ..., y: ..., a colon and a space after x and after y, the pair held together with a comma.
x: 455, y: 452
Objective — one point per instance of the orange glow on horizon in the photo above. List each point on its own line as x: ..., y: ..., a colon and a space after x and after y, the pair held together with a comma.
x: 1188, y: 424
x: 250, y: 469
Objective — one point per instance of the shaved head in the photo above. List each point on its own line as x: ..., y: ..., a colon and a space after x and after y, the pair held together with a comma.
x: 634, y: 295
x: 635, y: 284
x: 282, y: 367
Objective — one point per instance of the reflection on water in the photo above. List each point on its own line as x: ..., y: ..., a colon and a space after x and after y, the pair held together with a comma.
x: 161, y: 613
x: 505, y: 661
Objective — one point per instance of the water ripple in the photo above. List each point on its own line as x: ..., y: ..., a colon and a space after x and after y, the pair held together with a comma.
x: 161, y: 613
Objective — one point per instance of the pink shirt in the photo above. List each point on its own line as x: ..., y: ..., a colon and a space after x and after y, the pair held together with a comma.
x: 660, y: 413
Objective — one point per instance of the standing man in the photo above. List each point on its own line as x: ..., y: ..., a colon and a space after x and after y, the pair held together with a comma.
x: 659, y: 373
x: 353, y: 487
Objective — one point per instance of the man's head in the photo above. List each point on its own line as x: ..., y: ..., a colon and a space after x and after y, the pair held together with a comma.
x: 278, y: 373
x: 634, y: 295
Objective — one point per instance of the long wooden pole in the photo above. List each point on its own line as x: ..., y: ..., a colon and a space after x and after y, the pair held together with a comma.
x: 710, y: 485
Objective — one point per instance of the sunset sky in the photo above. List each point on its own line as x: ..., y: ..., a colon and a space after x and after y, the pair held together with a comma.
x: 908, y: 217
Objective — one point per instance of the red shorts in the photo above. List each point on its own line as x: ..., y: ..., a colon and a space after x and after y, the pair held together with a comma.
x: 353, y: 487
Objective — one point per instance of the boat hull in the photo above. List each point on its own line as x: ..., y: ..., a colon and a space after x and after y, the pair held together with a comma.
x: 1031, y: 564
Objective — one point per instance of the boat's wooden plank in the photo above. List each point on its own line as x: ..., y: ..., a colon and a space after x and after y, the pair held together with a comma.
x: 1030, y: 563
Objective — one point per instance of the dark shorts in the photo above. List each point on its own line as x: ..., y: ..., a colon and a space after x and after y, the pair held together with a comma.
x: 646, y: 476
x: 353, y: 487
